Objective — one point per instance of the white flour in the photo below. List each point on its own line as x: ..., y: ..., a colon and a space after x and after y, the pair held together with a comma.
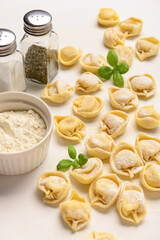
x: 20, y: 130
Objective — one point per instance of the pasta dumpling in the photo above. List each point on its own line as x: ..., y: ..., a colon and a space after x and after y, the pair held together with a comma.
x: 113, y: 37
x: 87, y: 106
x: 108, y: 17
x: 147, y: 47
x: 75, y: 211
x: 114, y: 123
x: 104, y: 191
x: 131, y: 27
x: 55, y: 186
x: 131, y: 203
x: 88, y: 83
x: 92, y: 62
x: 148, y: 148
x: 122, y: 98
x: 143, y: 85
x: 69, y: 55
x: 57, y: 92
x: 88, y: 172
x: 70, y: 127
x: 147, y: 117
x: 150, y: 176
x: 100, y: 145
x: 125, y: 161
x: 125, y: 54
x: 100, y: 236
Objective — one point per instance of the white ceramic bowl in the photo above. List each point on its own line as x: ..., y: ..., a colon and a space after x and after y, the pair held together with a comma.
x: 27, y: 160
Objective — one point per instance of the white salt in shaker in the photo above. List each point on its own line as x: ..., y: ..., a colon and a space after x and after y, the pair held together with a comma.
x: 11, y: 63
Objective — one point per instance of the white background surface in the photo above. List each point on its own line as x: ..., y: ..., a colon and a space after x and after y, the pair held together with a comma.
x: 22, y: 213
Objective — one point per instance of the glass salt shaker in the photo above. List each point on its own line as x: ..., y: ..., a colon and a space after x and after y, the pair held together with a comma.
x: 39, y: 46
x: 11, y: 63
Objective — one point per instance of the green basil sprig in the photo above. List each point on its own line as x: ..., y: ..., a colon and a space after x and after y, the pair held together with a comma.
x: 112, y: 58
x: 65, y: 164
x: 106, y: 72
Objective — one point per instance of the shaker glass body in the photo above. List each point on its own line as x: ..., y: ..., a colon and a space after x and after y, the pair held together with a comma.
x: 12, y: 72
x: 40, y: 56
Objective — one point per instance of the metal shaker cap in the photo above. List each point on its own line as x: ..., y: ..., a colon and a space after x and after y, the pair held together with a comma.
x: 7, y: 42
x: 37, y: 22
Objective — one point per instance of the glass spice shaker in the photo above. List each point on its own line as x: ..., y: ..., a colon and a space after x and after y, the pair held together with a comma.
x: 39, y: 46
x: 11, y: 63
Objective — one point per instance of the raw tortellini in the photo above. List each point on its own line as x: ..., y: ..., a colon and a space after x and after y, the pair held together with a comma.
x: 150, y: 176
x: 131, y: 203
x: 114, y: 123
x: 70, y: 127
x: 87, y: 106
x: 125, y: 161
x: 100, y: 236
x: 113, y: 37
x: 143, y: 85
x: 122, y: 98
x: 125, y: 54
x: 104, y: 191
x: 92, y: 62
x: 108, y: 17
x: 88, y: 83
x: 57, y: 92
x: 131, y: 27
x: 147, y: 47
x: 148, y: 148
x: 88, y: 172
x: 69, y: 55
x: 100, y: 145
x: 55, y: 185
x: 147, y: 117
x: 75, y: 211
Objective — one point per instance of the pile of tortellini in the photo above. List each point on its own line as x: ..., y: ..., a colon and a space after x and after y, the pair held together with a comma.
x: 88, y: 106
x: 107, y: 189
x: 115, y: 36
x: 126, y: 161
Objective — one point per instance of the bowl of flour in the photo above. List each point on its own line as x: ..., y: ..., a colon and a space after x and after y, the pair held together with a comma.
x: 25, y: 130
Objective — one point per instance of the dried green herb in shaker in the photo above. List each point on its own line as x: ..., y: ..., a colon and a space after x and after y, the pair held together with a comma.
x: 39, y: 46
x: 36, y: 63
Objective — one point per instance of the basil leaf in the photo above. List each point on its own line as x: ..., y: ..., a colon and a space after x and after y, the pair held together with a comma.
x: 118, y: 79
x: 123, y: 67
x: 64, y: 164
x: 75, y: 163
x: 72, y: 152
x: 112, y: 58
x: 105, y: 72
x: 82, y: 159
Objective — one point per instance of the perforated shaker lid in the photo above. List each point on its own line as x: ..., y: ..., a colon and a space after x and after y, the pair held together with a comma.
x: 37, y: 22
x: 7, y: 42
